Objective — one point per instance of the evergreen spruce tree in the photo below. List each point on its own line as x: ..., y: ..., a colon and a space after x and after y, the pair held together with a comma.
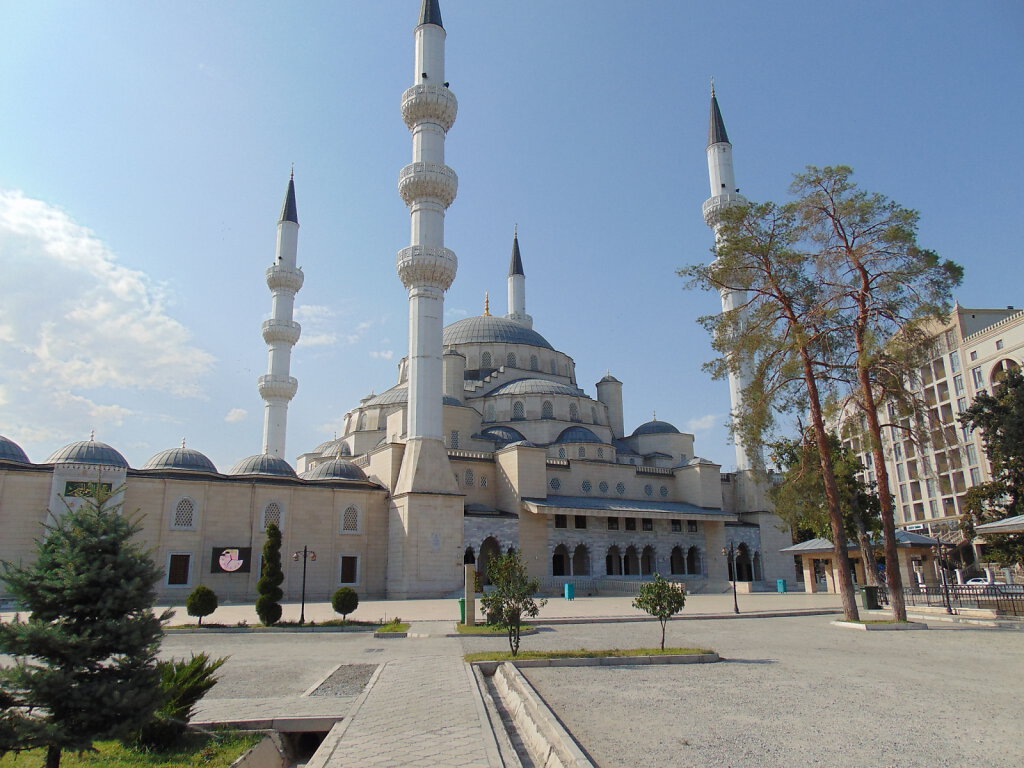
x: 85, y: 660
x: 268, y: 604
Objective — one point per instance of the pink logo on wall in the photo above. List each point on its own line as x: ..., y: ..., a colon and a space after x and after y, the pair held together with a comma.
x: 230, y: 560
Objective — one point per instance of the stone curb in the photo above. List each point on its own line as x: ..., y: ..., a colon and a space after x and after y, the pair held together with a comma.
x: 901, y: 627
x: 699, y: 617
x: 321, y: 758
x: 489, y: 667
x: 260, y: 630
x: 391, y: 635
x: 284, y: 724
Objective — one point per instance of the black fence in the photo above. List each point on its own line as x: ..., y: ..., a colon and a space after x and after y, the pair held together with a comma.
x: 1005, y: 599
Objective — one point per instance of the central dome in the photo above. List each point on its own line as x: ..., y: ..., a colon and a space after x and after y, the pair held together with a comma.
x: 489, y: 329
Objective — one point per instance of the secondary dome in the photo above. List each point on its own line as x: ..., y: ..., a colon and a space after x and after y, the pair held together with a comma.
x: 88, y: 452
x: 181, y: 458
x: 11, y: 451
x: 655, y: 428
x: 335, y: 469
x: 501, y: 435
x: 400, y: 395
x: 489, y: 329
x: 334, y: 448
x: 262, y: 464
x: 536, y: 387
x: 578, y: 435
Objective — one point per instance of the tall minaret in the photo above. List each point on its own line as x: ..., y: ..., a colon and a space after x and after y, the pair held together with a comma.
x: 280, y: 332
x: 724, y: 194
x: 517, y: 286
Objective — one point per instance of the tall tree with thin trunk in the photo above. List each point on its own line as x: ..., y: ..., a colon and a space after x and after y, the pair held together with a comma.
x: 781, y: 335
x: 885, y: 291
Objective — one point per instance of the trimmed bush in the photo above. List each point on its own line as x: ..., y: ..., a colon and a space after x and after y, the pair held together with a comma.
x: 202, y: 602
x: 268, y: 604
x: 344, y: 601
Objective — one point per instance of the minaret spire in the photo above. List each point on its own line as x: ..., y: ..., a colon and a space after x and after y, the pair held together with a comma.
x: 281, y: 332
x: 430, y: 13
x: 517, y: 285
x: 724, y: 194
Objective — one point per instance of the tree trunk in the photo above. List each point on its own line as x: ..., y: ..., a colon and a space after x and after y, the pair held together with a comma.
x: 867, y: 551
x: 835, y: 512
x: 53, y: 757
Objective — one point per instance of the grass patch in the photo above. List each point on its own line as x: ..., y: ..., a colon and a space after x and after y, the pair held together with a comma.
x: 394, y: 626
x: 488, y: 630
x: 351, y: 624
x: 582, y: 654
x: 212, y: 750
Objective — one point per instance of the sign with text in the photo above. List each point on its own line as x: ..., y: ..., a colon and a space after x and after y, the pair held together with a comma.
x: 231, y: 560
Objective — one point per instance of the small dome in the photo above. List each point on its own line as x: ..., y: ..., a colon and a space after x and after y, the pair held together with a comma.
x: 623, y: 448
x: 400, y: 396
x: 501, y: 435
x: 521, y: 443
x: 11, y: 451
x: 181, y: 458
x: 489, y: 329
x: 655, y: 428
x: 578, y: 435
x: 609, y: 378
x: 88, y: 452
x: 334, y: 448
x: 335, y: 469
x: 536, y: 387
x: 262, y: 464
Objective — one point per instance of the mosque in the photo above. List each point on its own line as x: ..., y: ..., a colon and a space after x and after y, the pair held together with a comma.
x: 485, y: 443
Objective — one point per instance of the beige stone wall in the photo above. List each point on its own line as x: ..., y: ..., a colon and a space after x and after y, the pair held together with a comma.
x: 24, y: 497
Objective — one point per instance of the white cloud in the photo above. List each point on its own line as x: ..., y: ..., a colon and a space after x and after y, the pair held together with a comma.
x: 313, y: 312
x: 704, y: 423
x: 455, y: 312
x: 236, y: 415
x: 383, y: 354
x: 317, y: 339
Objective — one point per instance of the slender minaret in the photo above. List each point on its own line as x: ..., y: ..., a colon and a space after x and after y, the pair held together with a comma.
x: 517, y: 286
x: 426, y: 267
x: 280, y: 332
x: 724, y: 194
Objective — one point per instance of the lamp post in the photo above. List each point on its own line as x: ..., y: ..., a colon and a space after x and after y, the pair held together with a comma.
x: 730, y: 554
x: 939, y: 553
x: 306, y: 554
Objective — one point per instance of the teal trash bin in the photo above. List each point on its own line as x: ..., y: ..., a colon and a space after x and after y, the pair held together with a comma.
x: 869, y: 599
x: 462, y: 610
x: 780, y: 585
x: 570, y: 591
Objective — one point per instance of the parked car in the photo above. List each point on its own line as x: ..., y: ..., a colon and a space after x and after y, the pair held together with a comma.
x: 980, y: 582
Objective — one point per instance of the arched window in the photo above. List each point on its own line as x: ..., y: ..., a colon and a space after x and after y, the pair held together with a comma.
x: 613, y: 562
x: 631, y: 562
x: 600, y: 453
x: 361, y: 424
x: 534, y: 363
x: 483, y: 481
x: 554, y: 366
x: 489, y: 550
x: 469, y: 558
x: 485, y: 360
x: 580, y: 561
x: 574, y: 412
x: 453, y: 441
x: 184, y: 514
x: 470, y: 479
x: 677, y: 563
x: 560, y: 561
x: 647, y: 561
x: 581, y: 452
x: 350, y: 519
x: 489, y: 410
x: 273, y: 512
x: 518, y: 410
x: 561, y: 453
x: 593, y: 415
x: 693, y: 565
x: 510, y: 360
x: 547, y: 410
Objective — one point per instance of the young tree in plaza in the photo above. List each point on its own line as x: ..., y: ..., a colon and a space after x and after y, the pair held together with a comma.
x: 782, y: 336
x: 268, y: 604
x: 662, y: 599
x: 85, y: 660
x: 513, y: 595
x: 1000, y: 417
x: 884, y: 290
x: 201, y: 602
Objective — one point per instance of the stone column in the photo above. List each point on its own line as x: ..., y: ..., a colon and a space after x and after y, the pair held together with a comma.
x: 470, y: 594
x: 807, y: 561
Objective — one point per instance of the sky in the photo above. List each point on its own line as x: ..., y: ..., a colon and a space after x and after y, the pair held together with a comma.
x: 145, y: 150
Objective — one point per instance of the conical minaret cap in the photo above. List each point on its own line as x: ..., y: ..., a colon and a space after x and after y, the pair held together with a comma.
x: 716, y: 131
x: 431, y: 13
x: 515, y: 267
x: 289, y: 211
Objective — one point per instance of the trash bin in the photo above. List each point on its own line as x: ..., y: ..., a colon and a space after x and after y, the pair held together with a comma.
x: 570, y: 591
x: 869, y: 599
x: 462, y: 610
x: 780, y: 585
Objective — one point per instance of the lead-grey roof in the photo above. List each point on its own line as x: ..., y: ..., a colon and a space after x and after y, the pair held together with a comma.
x: 262, y: 464
x: 716, y: 130
x: 655, y: 428
x: 578, y: 435
x: 536, y: 387
x: 88, y: 452
x: 181, y: 458
x: 400, y: 394
x: 430, y: 13
x: 289, y: 211
x: 335, y: 469
x: 488, y: 329
x: 1009, y: 525
x: 515, y: 267
x: 11, y: 451
x: 501, y: 434
x: 903, y: 539
x: 630, y: 506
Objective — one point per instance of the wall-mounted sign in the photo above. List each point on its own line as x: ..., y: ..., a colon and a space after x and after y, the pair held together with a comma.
x: 231, y: 560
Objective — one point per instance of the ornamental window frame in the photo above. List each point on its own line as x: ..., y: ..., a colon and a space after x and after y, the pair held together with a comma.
x: 343, y: 528
x: 193, y: 520
x: 189, y: 570
x: 280, y: 516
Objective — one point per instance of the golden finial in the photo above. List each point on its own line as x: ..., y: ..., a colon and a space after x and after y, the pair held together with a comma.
x: 92, y: 436
x: 183, y: 442
x: 487, y: 303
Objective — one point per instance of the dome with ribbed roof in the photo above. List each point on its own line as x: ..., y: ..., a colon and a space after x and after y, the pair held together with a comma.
x: 335, y: 469
x: 655, y: 427
x: 262, y: 464
x: 488, y: 329
x: 11, y: 451
x: 335, y: 448
x: 181, y: 458
x: 537, y: 387
x: 400, y: 396
x: 501, y: 435
x: 88, y: 452
x: 578, y: 435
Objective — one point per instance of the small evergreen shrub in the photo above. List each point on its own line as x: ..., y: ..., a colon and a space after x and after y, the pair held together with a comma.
x: 268, y: 604
x: 183, y: 683
x: 202, y: 602
x: 344, y: 601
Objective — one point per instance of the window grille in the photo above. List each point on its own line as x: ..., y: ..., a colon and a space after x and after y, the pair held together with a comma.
x: 470, y: 479
x: 272, y: 514
x: 547, y: 410
x: 485, y: 360
x: 518, y: 410
x: 350, y: 521
x: 510, y: 360
x: 184, y: 514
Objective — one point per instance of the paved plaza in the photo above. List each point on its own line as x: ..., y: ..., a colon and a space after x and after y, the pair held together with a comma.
x: 792, y: 691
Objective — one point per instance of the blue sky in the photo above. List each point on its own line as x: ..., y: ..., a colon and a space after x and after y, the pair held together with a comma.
x: 145, y: 150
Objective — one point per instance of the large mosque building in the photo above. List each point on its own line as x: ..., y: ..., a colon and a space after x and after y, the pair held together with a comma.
x: 485, y: 443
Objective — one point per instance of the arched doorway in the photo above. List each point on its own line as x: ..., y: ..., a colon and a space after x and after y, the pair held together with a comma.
x: 560, y: 561
x: 744, y: 569
x: 677, y: 563
x: 631, y: 562
x: 693, y: 565
x: 613, y: 562
x: 580, y: 561
x: 647, y: 561
x: 489, y: 550
x: 469, y: 558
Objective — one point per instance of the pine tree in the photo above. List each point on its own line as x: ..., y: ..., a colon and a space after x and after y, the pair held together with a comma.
x: 85, y: 660
x: 268, y: 604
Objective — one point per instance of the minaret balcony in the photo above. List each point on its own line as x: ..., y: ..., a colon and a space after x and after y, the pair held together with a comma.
x: 277, y: 387
x: 281, y: 331
x: 422, y: 265
x: 714, y: 206
x: 429, y: 102
x: 282, y: 278
x: 422, y: 180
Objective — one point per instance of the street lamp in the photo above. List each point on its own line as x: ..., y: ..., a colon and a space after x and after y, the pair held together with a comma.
x: 939, y: 553
x: 730, y: 554
x: 306, y: 554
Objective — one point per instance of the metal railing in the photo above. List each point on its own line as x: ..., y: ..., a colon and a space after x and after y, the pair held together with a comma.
x: 1004, y: 599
